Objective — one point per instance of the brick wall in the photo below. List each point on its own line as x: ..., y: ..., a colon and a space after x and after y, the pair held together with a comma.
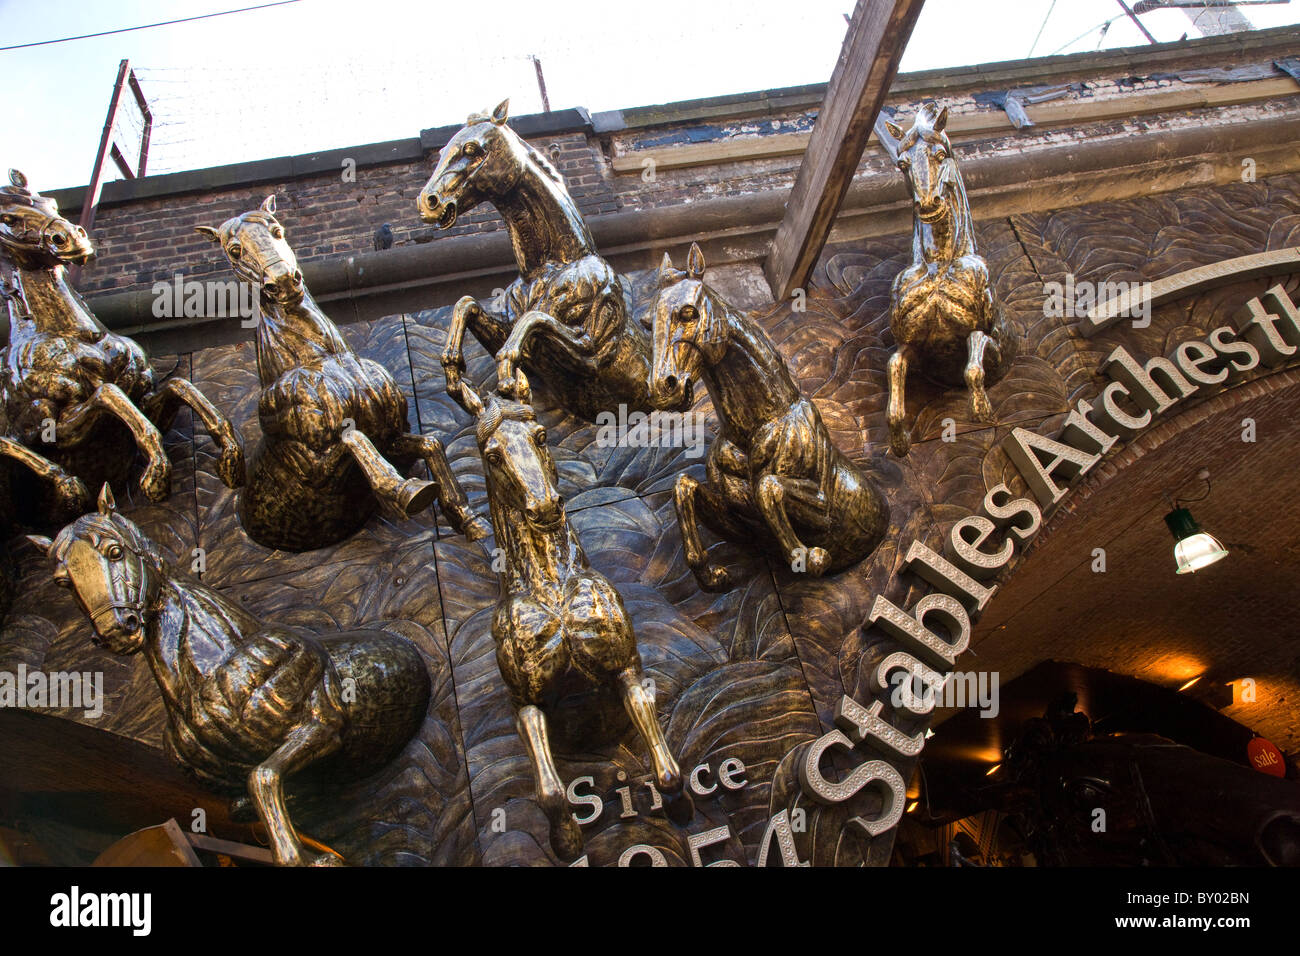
x: 144, y: 241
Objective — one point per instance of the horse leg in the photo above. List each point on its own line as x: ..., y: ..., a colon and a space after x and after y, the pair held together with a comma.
x: 405, y: 496
x: 490, y: 331
x: 640, y: 705
x: 566, y: 836
x: 70, y: 489
x: 979, y: 398
x: 304, y: 744
x: 575, y: 341
x: 711, y: 577
x: 162, y: 406
x: 899, y: 440
x: 109, y: 399
x: 770, y: 493
x: 451, y: 498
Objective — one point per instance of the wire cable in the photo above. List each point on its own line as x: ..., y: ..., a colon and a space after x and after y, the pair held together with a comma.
x: 146, y: 26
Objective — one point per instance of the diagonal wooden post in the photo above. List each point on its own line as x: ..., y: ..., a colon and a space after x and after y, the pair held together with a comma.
x: 866, y: 68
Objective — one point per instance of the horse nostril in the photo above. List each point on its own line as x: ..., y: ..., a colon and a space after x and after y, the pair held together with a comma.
x: 131, y: 621
x: 671, y: 382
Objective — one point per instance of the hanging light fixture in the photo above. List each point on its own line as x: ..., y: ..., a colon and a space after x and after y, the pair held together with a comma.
x: 1195, y: 549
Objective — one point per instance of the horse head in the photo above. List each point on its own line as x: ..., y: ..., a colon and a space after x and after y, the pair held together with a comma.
x: 485, y: 159
x: 689, y: 332
x: 112, y: 570
x: 255, y: 246
x: 33, y: 232
x: 924, y: 155
x: 521, y: 474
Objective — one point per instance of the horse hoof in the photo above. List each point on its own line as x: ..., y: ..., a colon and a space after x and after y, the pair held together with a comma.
x: 900, y: 444
x: 713, y: 577
x: 476, y: 527
x: 819, y: 559
x: 679, y: 808
x: 326, y: 859
x: 416, y: 495
x: 982, y: 408
x: 230, y: 466
x: 156, y: 482
x: 72, y: 494
x: 566, y: 838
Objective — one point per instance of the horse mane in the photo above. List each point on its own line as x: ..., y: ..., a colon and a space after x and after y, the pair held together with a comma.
x: 497, y: 410
x: 114, y: 524
x: 540, y: 159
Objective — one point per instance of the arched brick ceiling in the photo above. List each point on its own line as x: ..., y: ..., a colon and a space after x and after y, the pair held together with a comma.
x: 1236, y: 619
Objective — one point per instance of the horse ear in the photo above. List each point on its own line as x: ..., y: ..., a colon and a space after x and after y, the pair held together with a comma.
x: 469, y: 399
x: 666, y: 271
x: 502, y: 112
x: 106, y: 503
x: 16, y: 178
x: 941, y: 120
x: 695, y: 262
x: 208, y: 231
x: 43, y: 544
x: 523, y: 391
x: 268, y: 204
x: 895, y: 130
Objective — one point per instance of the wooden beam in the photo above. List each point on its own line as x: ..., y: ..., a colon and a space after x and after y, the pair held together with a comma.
x: 866, y: 68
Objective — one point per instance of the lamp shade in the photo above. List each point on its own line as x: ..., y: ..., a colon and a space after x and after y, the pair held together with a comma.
x: 1195, y: 549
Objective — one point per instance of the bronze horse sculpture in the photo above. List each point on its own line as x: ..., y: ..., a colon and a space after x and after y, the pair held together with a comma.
x: 567, y: 318
x: 81, y: 395
x: 334, y: 425
x: 248, y: 704
x: 773, y: 474
x: 943, y: 313
x: 561, y: 631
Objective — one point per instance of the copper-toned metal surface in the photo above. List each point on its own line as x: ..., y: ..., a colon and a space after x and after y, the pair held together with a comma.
x: 334, y: 425
x: 567, y: 319
x: 946, y: 320
x: 773, y: 474
x: 564, y: 640
x: 753, y: 674
x: 248, y: 704
x: 73, y: 391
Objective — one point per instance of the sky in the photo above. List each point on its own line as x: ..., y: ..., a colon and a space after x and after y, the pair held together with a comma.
x: 321, y: 74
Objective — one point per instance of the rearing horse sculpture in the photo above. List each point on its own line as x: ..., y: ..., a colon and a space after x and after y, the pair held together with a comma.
x: 943, y: 313
x: 567, y: 319
x: 772, y: 474
x: 82, y: 396
x: 560, y: 628
x: 248, y: 704
x: 334, y: 425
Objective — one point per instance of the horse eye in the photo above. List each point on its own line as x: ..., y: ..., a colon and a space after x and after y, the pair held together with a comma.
x: 277, y: 232
x: 688, y: 313
x: 64, y: 583
x: 471, y: 148
x: 113, y: 552
x: 539, y: 436
x: 9, y: 220
x: 234, y: 250
x: 493, y: 456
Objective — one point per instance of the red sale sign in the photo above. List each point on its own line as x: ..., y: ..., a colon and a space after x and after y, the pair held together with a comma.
x: 1265, y: 758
